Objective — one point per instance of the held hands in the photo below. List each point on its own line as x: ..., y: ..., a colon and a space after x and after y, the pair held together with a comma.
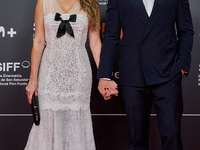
x: 30, y: 89
x: 107, y: 88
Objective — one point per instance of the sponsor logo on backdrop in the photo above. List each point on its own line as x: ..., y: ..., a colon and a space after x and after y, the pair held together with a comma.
x: 26, y: 64
x: 2, y: 31
x: 103, y: 2
x: 199, y: 77
x: 8, y: 78
x: 116, y: 75
x: 11, y: 32
x: 34, y: 29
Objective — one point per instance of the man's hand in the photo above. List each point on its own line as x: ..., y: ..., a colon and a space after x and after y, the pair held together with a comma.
x: 107, y: 88
x: 183, y: 72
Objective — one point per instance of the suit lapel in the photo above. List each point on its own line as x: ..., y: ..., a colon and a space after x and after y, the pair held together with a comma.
x: 158, y: 8
x: 140, y: 10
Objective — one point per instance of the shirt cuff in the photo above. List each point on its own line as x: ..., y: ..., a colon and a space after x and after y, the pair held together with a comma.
x: 106, y: 79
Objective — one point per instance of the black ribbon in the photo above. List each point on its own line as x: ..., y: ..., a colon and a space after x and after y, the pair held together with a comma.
x: 65, y: 25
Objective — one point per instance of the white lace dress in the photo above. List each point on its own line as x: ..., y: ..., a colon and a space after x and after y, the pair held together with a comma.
x: 64, y: 87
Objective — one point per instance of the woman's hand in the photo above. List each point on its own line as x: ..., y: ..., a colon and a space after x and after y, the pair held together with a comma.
x: 107, y: 88
x: 30, y: 89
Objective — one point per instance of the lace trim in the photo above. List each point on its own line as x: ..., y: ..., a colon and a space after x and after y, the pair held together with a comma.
x: 60, y: 101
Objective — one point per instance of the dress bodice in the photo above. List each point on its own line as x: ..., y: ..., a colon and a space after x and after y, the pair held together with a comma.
x: 80, y: 29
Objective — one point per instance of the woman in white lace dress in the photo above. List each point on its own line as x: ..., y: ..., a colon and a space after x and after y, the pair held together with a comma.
x: 61, y: 74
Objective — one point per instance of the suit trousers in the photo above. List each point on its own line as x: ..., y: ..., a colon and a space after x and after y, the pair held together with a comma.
x: 168, y: 104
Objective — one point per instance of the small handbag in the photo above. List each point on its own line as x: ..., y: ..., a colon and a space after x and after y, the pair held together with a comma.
x: 35, y: 109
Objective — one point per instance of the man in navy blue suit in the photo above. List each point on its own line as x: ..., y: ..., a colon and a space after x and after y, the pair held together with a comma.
x: 155, y: 52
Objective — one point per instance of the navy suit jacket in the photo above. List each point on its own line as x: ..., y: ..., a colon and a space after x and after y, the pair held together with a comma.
x: 153, y: 49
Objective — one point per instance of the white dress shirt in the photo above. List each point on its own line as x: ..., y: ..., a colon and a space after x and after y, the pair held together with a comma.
x: 149, y: 6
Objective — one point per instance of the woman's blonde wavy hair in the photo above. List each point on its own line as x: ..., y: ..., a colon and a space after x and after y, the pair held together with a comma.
x: 91, y: 7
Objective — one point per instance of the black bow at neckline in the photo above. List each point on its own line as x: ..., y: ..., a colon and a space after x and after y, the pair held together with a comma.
x: 65, y: 25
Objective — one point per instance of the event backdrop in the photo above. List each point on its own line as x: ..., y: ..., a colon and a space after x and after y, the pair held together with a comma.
x: 109, y: 120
